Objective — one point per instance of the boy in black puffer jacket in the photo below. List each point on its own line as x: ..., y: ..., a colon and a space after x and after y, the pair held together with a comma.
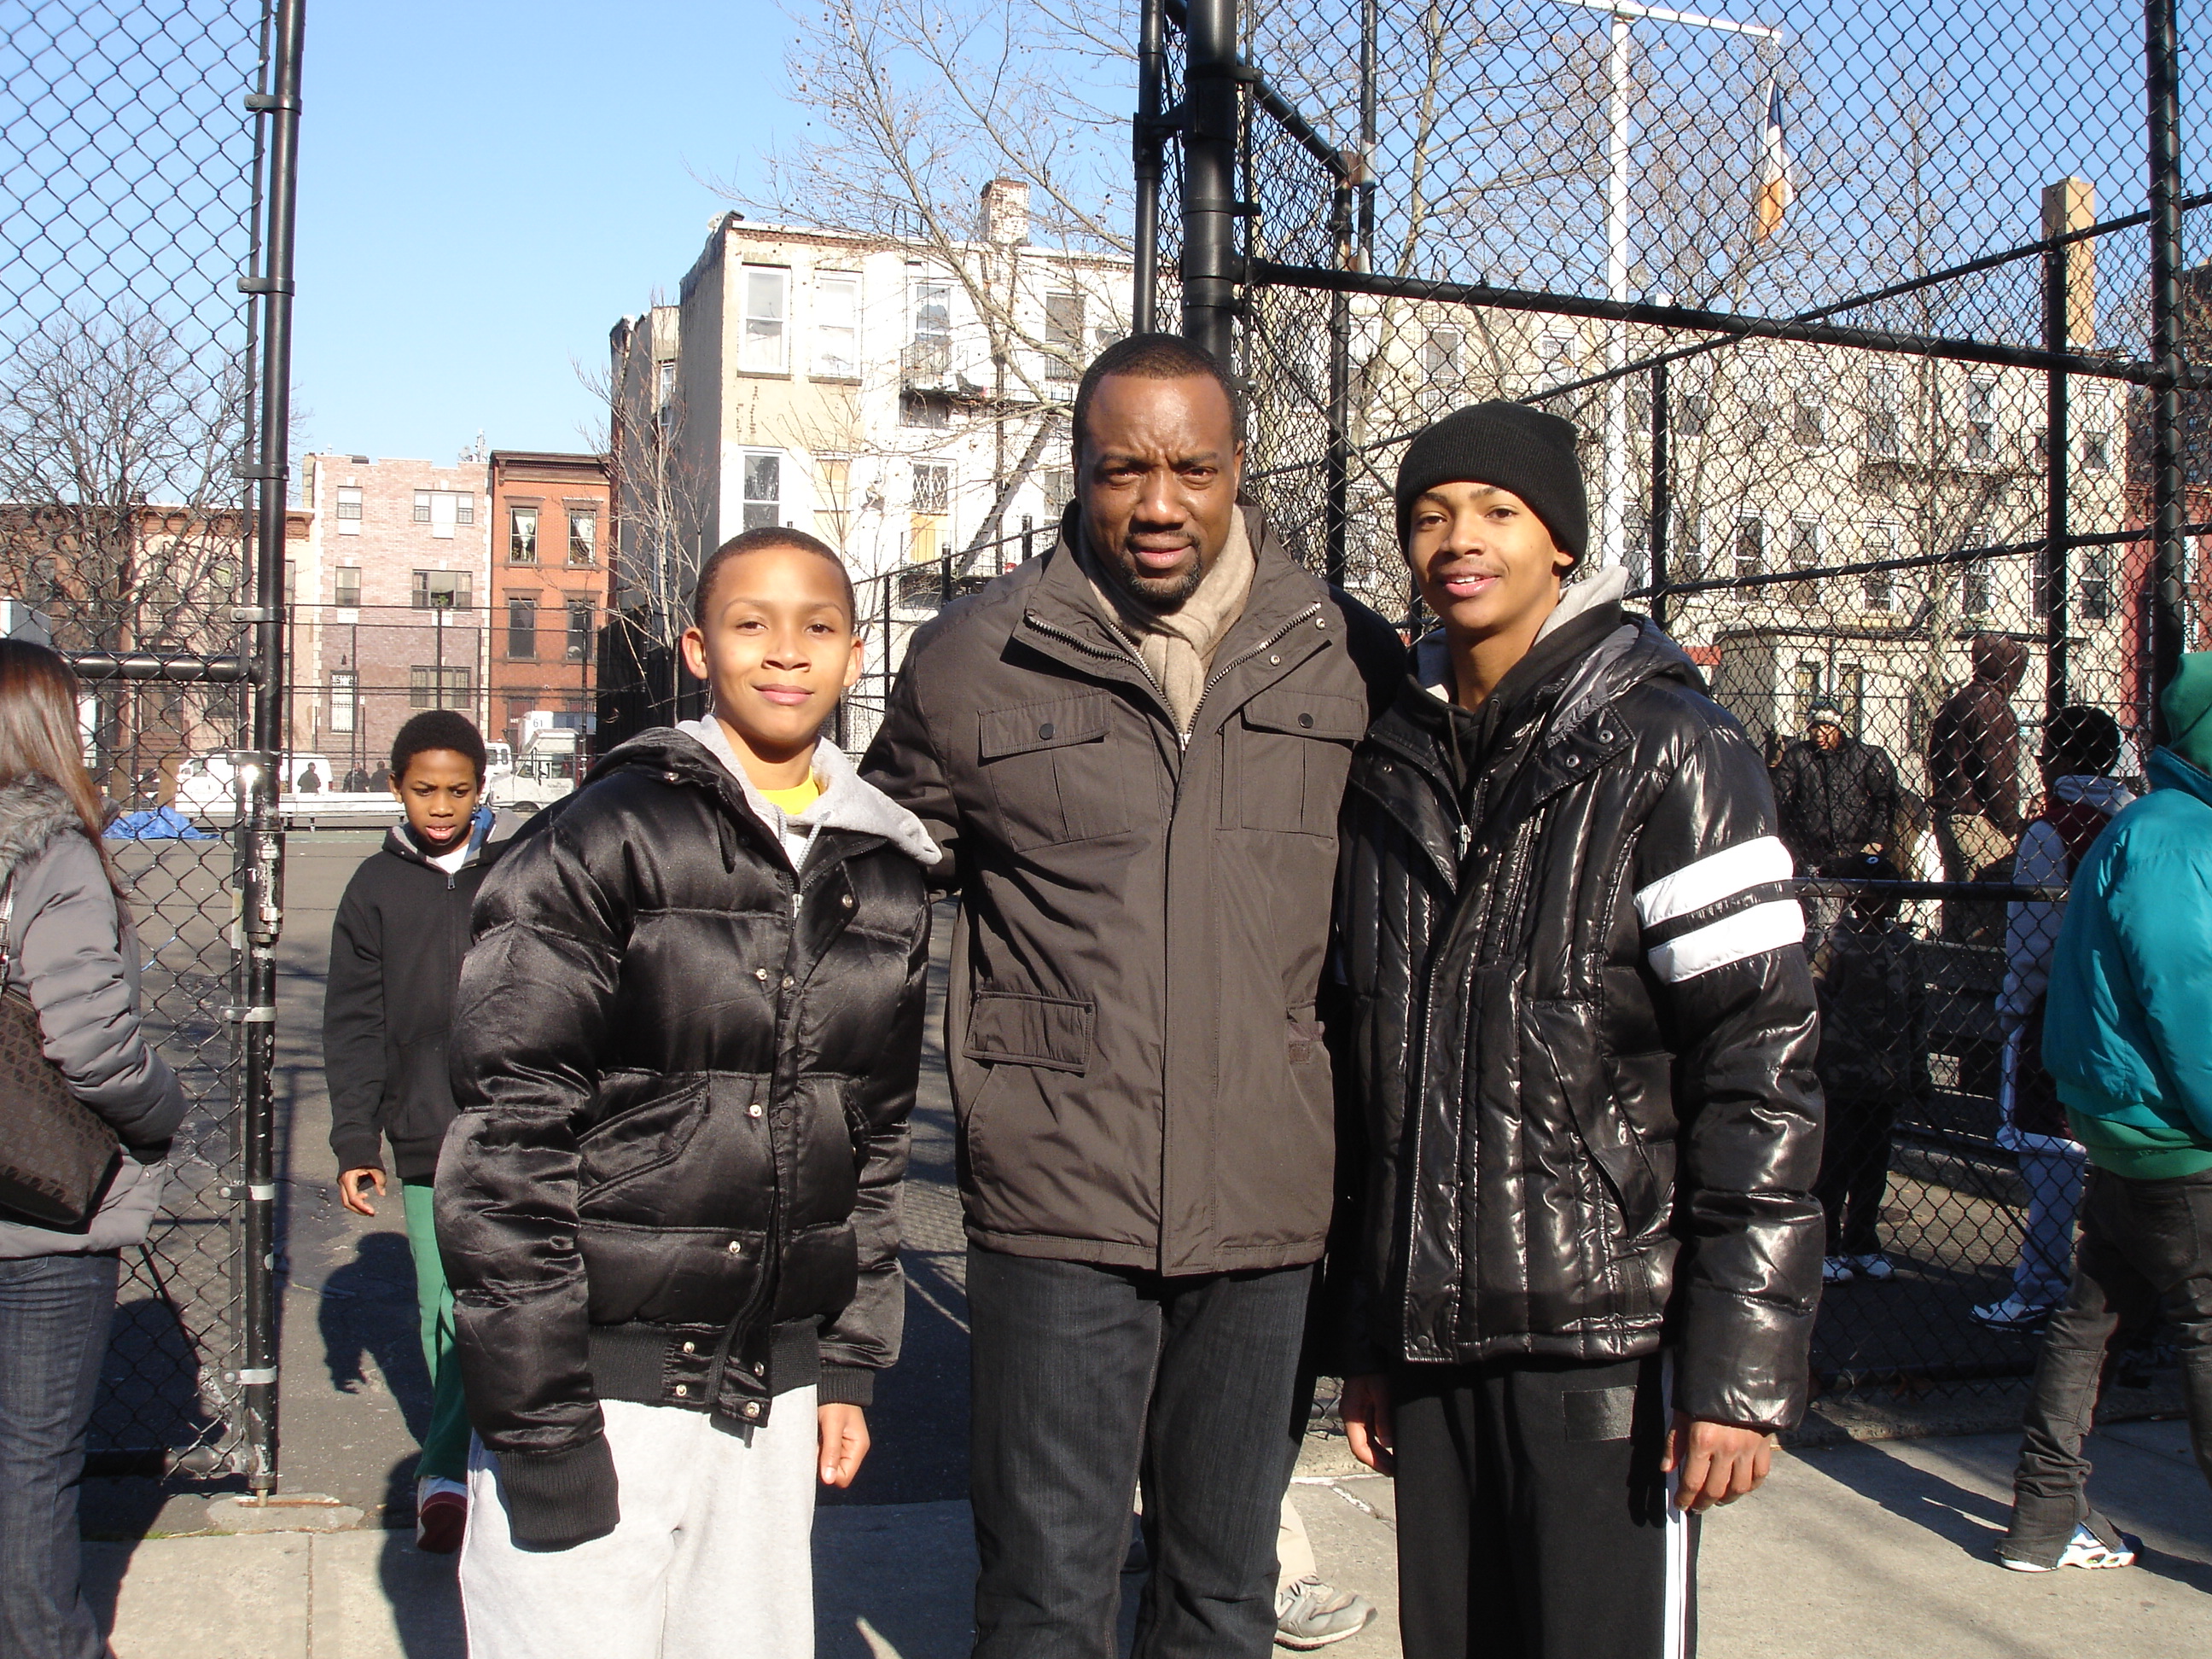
x: 686, y: 1048
x: 396, y: 950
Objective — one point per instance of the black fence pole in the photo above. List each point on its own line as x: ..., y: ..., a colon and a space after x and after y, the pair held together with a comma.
x: 260, y: 861
x: 1662, y: 493
x: 1028, y: 539
x: 2058, y: 458
x: 2168, y: 598
x: 1336, y: 462
x: 1147, y: 141
x: 1209, y: 179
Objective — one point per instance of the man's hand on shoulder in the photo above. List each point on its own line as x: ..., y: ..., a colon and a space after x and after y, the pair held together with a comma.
x: 1719, y: 1463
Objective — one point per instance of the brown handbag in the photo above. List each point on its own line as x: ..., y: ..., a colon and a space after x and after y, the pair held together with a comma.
x: 57, y: 1156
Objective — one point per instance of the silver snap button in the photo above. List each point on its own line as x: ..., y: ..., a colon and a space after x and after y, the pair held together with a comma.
x: 759, y: 1370
x: 683, y: 1389
x: 761, y: 973
x: 1387, y: 767
x: 847, y: 901
x: 752, y: 1408
x: 1306, y: 721
x: 1272, y: 659
x: 788, y: 982
x: 752, y: 1109
x: 1320, y: 621
x: 1045, y: 730
x: 1574, y: 760
x: 736, y: 1248
x: 690, y: 1348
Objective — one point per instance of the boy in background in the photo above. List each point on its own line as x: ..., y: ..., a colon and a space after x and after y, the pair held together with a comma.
x: 686, y: 1049
x: 396, y: 950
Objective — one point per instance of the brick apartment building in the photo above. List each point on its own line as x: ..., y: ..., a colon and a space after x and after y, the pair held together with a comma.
x: 388, y: 611
x: 549, y: 580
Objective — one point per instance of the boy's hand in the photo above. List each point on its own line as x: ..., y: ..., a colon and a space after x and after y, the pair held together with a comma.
x: 1364, y: 1406
x: 1719, y: 1463
x: 843, y: 1431
x: 350, y: 1182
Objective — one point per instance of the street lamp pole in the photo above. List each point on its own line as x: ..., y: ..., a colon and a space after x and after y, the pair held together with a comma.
x: 1613, y: 506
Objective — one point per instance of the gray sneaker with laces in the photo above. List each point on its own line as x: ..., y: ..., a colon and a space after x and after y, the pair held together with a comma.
x: 1311, y: 1614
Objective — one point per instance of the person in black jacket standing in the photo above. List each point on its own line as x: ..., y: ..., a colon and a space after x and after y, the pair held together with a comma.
x: 1582, y: 1032
x: 1836, y: 795
x: 396, y: 950
x: 685, y: 1050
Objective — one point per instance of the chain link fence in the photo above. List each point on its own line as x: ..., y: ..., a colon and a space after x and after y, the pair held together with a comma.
x: 134, y: 138
x: 1891, y: 382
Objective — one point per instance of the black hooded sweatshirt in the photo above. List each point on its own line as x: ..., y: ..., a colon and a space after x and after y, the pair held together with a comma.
x: 396, y: 950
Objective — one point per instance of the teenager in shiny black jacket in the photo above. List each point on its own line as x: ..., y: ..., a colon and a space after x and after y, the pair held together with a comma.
x: 1581, y: 1029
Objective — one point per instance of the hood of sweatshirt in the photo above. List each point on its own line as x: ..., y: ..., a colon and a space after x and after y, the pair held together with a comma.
x: 847, y: 801
x: 489, y: 832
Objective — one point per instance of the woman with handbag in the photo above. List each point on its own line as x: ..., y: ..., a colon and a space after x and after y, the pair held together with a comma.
x: 87, y: 1109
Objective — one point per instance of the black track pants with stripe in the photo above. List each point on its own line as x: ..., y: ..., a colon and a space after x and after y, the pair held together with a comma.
x: 1533, y: 1519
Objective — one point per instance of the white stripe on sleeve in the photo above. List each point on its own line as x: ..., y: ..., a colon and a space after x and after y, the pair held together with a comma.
x: 1750, y: 932
x: 1712, y: 878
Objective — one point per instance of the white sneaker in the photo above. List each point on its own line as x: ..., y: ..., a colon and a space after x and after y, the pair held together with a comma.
x: 2013, y: 1314
x: 1835, y: 1270
x: 1876, y: 1266
x: 2084, y: 1549
x: 1311, y: 1614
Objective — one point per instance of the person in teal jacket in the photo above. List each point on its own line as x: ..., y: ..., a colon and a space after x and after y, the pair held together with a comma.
x: 2124, y: 1041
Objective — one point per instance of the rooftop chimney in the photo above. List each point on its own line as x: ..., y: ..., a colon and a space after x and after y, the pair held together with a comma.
x: 1006, y: 212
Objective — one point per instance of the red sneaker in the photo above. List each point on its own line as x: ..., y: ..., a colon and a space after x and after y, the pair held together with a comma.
x: 441, y: 1514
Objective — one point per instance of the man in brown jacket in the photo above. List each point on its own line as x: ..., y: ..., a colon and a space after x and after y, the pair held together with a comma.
x: 1131, y: 753
x: 1973, y: 778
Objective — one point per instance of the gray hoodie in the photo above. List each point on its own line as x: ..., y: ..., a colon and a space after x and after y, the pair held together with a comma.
x: 72, y: 949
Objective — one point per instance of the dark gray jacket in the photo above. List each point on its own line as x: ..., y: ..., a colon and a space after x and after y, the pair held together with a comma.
x: 72, y: 949
x: 1135, y: 1056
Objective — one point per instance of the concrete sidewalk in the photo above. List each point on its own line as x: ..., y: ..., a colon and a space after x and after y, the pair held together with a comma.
x: 1851, y: 1550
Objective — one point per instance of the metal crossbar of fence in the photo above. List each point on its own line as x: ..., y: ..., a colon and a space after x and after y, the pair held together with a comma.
x: 145, y: 282
x: 1888, y: 334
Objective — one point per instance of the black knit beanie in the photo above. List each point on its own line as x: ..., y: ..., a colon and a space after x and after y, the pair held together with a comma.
x: 1510, y: 446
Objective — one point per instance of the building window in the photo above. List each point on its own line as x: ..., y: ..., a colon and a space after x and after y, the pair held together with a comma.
x: 2039, y: 581
x: 761, y: 348
x: 664, y: 387
x: 931, y: 413
x: 580, y: 615
x: 833, y: 497
x: 1440, y: 363
x: 441, y: 590
x: 1750, y: 551
x: 933, y: 488
x: 1555, y: 353
x: 522, y: 535
x: 1059, y: 488
x: 345, y: 586
x: 431, y: 687
x: 1808, y: 415
x: 521, y: 627
x: 1804, y: 555
x: 837, y: 326
x: 344, y: 699
x: 930, y: 351
x: 442, y: 509
x: 348, y: 511
x: 1878, y: 588
x: 1882, y: 434
x: 1981, y: 419
x: 762, y: 472
x: 1063, y: 333
x: 1976, y: 596
x: 2096, y: 452
x: 1689, y: 407
x: 583, y: 536
x: 1686, y: 548
x: 2097, y: 586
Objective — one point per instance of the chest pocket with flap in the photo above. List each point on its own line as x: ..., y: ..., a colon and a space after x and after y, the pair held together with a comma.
x: 1050, y: 766
x: 1289, y: 753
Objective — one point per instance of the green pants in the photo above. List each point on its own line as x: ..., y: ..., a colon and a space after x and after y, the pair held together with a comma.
x: 446, y: 1446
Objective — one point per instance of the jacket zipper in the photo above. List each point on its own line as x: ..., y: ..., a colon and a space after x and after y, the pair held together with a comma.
x: 1088, y: 649
x: 1224, y: 671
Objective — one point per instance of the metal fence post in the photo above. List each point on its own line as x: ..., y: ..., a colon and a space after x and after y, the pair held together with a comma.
x: 1209, y: 180
x: 1147, y: 143
x: 2058, y: 455
x: 261, y: 841
x: 1662, y: 503
x: 2169, y: 599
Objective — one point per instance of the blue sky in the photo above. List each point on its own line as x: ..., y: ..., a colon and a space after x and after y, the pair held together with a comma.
x: 487, y: 186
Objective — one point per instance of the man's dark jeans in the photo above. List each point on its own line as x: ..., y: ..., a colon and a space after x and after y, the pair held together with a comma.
x: 1087, y: 1381
x: 54, y: 1315
x: 2146, y: 1245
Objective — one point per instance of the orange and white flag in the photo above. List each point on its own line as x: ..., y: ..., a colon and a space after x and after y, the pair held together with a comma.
x: 1776, y: 190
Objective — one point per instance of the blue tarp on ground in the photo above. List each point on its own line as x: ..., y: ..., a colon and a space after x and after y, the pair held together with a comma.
x: 163, y: 824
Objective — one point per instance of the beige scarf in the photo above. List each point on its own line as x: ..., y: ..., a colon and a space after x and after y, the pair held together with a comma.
x: 1177, y: 646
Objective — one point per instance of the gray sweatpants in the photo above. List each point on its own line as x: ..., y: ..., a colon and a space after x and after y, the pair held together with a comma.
x: 711, y: 1560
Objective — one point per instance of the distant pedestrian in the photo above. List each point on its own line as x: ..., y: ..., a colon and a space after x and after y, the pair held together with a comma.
x: 357, y: 781
x: 396, y: 950
x: 69, y: 948
x: 311, y: 781
x: 1836, y: 795
x: 2125, y: 1028
x: 1873, y: 1024
x: 1973, y: 772
x: 379, y: 779
x: 685, y: 1050
x: 2081, y: 750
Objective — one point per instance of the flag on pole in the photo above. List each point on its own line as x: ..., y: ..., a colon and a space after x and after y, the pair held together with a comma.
x: 1775, y: 190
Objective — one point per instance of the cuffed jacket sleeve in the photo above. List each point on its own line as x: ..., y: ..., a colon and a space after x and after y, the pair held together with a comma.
x: 537, y: 991
x: 1724, y: 940
x: 864, y: 1338
x: 70, y: 945
x: 353, y: 1033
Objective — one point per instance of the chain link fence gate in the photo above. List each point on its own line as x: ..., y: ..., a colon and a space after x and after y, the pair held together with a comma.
x: 145, y: 282
x: 1886, y: 358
